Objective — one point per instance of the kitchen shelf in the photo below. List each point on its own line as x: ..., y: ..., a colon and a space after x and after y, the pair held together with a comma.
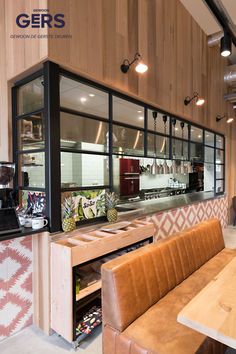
x: 75, y: 250
x: 31, y: 165
x: 89, y: 290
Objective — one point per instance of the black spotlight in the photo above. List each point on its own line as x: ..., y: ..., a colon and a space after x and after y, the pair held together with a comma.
x: 226, y: 45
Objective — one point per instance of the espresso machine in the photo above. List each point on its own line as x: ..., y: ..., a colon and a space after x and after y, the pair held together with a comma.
x: 9, y: 222
x: 7, y: 173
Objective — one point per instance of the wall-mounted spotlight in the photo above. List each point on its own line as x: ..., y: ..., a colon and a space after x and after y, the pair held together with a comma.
x: 226, y: 45
x: 229, y: 119
x: 140, y: 66
x: 198, y: 100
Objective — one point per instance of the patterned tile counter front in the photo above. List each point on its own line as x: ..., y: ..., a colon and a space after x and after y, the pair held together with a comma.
x: 175, y: 220
x: 16, y: 307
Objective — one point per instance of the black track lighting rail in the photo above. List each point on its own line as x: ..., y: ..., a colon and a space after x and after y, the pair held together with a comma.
x: 223, y: 21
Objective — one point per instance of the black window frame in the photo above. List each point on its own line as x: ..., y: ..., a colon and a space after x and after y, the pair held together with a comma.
x: 51, y: 73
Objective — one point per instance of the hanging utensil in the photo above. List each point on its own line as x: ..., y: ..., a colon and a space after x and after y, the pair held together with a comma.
x: 174, y: 166
x: 166, y: 169
x: 155, y: 167
x: 182, y: 150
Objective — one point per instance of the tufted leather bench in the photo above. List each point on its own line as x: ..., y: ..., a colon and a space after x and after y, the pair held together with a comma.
x: 143, y: 292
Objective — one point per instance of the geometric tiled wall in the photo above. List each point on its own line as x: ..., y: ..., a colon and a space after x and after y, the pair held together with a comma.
x: 168, y: 222
x: 16, y: 307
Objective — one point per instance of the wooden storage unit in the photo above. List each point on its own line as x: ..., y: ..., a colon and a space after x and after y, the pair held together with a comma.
x: 79, y: 249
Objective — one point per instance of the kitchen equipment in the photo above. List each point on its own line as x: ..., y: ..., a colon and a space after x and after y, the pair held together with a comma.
x: 7, y: 172
x: 196, y: 178
x: 126, y: 177
x: 156, y: 193
x: 9, y: 222
x: 166, y: 169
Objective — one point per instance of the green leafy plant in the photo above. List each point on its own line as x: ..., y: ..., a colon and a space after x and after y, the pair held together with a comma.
x: 112, y: 200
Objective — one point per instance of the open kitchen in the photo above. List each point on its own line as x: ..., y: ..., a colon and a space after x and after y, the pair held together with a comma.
x: 116, y: 132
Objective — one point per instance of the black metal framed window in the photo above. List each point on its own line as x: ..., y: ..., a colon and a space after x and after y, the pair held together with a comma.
x: 67, y: 130
x: 29, y: 139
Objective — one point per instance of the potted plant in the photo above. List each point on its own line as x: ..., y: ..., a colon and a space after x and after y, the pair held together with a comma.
x: 68, y: 222
x: 111, y: 203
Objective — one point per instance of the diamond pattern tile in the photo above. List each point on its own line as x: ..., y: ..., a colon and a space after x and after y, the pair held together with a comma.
x: 16, y: 304
x: 175, y: 220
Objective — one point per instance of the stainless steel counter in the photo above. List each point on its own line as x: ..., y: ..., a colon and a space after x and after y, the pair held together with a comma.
x: 147, y: 207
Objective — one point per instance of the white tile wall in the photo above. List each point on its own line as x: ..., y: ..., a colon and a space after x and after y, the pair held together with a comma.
x: 208, y: 177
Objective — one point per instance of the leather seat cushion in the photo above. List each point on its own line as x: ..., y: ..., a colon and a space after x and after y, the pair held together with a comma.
x: 133, y: 283
x: 158, y: 331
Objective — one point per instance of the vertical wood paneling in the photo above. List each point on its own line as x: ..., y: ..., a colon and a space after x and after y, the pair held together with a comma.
x: 4, y: 142
x: 23, y: 53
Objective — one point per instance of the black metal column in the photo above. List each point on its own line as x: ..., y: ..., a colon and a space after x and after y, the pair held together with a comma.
x: 52, y: 132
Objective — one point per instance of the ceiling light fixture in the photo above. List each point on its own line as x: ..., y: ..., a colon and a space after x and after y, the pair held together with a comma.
x: 198, y: 100
x: 83, y: 99
x: 91, y: 95
x: 140, y: 67
x: 226, y: 45
x: 229, y: 119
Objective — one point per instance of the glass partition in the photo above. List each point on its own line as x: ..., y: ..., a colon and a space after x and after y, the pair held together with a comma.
x: 196, y: 152
x: 219, y: 186
x: 30, y: 96
x: 219, y: 171
x: 219, y: 142
x: 209, y: 177
x: 179, y: 149
x: 162, y: 120
x: 83, y: 98
x: 162, y: 146
x: 82, y: 133
x: 87, y: 125
x: 196, y: 134
x: 84, y: 170
x: 219, y: 156
x: 209, y: 154
x: 127, y: 141
x: 180, y: 129
x: 128, y: 112
x: 32, y: 170
x: 209, y: 138
x: 31, y: 132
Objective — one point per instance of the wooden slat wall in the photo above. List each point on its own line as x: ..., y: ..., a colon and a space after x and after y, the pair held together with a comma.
x: 3, y: 88
x: 23, y: 53
x: 104, y: 32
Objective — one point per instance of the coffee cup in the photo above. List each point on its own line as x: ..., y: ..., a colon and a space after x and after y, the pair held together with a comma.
x: 21, y: 220
x: 39, y: 222
x: 28, y: 222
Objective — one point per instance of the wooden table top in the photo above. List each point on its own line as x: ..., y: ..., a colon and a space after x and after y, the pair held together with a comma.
x: 213, y: 310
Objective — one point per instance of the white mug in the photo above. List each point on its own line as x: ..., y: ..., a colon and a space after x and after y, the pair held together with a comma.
x: 21, y: 220
x: 39, y: 222
x: 28, y: 222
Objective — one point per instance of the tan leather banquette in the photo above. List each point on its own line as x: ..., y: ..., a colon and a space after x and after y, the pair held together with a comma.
x: 143, y: 292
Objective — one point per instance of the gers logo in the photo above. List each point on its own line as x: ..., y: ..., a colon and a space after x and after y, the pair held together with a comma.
x: 40, y: 20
